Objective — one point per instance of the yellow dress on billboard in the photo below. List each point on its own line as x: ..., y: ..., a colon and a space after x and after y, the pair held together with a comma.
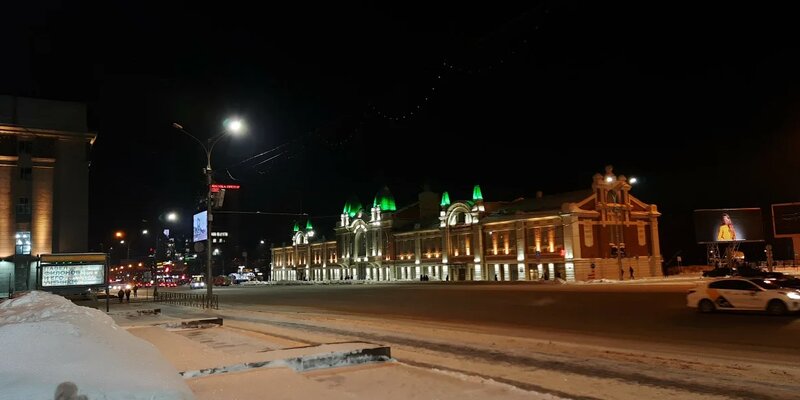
x: 726, y: 232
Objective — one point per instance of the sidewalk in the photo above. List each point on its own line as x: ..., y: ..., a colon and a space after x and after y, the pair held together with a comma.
x: 218, y: 361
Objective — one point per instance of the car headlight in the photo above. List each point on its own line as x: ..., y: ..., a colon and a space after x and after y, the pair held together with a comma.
x: 793, y: 295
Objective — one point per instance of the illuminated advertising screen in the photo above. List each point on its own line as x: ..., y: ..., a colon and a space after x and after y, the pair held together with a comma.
x: 200, y: 225
x: 786, y: 219
x: 728, y: 225
x: 73, y: 275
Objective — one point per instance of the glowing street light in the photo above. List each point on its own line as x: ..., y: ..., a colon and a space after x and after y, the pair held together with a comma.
x: 633, y: 180
x: 172, y: 217
x: 232, y: 126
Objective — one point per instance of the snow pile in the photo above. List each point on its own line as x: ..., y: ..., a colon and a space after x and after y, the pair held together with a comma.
x: 47, y: 340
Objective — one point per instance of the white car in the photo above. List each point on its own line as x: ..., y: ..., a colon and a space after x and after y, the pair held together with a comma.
x: 197, y: 285
x: 753, y: 294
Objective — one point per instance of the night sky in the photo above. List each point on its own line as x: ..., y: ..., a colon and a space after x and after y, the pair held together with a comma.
x: 700, y: 102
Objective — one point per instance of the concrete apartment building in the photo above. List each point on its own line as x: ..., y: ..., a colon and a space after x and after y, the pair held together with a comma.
x: 44, y: 185
x: 600, y: 232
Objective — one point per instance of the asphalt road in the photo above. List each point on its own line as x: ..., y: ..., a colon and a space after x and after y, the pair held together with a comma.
x: 651, y: 312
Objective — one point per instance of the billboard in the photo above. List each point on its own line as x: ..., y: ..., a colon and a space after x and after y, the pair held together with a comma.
x: 728, y: 225
x: 72, y: 269
x: 786, y: 219
x: 73, y: 275
x: 200, y: 225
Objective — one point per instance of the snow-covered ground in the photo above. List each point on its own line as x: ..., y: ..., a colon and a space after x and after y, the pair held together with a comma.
x: 47, y: 340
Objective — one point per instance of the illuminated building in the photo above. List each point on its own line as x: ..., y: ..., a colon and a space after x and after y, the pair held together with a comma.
x: 44, y: 185
x: 576, y: 236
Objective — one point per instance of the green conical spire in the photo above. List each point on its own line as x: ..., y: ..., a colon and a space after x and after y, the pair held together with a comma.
x: 352, y: 207
x: 385, y: 200
x: 296, y: 226
x: 445, y: 199
x: 309, y: 227
x: 476, y: 193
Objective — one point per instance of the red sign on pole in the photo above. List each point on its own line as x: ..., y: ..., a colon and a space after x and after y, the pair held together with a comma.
x: 215, y: 187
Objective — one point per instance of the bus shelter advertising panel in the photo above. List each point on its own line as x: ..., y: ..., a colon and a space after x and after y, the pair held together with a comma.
x: 72, y: 270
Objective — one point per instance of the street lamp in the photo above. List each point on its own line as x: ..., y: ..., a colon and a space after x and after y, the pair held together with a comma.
x: 614, y: 186
x: 233, y: 126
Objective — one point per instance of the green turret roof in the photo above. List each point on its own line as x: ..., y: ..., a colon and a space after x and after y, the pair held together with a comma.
x: 309, y: 226
x: 352, y: 207
x: 385, y: 200
x: 445, y: 199
x: 476, y: 193
x: 296, y: 226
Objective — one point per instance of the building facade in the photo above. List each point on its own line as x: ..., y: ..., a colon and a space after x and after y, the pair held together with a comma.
x: 598, y: 233
x: 44, y: 185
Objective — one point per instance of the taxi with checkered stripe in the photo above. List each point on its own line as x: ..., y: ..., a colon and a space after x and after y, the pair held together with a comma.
x: 743, y: 294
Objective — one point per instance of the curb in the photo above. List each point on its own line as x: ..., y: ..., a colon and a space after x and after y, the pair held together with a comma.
x: 303, y: 363
x: 193, y: 324
x: 137, y: 313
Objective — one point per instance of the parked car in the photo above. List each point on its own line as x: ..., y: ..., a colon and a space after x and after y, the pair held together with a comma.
x: 717, y: 272
x: 197, y: 283
x: 115, y: 287
x: 786, y: 282
x: 222, y: 280
x: 735, y: 294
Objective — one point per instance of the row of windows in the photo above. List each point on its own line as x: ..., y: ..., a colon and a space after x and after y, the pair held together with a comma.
x: 538, y: 240
x: 38, y: 147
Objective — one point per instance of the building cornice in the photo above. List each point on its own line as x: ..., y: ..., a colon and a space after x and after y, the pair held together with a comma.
x: 53, y: 133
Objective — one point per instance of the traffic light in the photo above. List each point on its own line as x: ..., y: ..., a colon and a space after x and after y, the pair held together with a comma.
x: 613, y: 251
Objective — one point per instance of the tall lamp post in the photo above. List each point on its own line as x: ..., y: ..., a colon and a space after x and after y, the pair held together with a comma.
x: 615, y: 185
x: 233, y: 126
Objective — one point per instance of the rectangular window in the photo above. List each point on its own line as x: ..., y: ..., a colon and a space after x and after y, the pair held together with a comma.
x: 25, y: 146
x: 23, y: 243
x: 23, y: 206
x: 25, y: 174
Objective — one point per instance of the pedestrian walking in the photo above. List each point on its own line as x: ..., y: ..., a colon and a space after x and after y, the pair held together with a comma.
x: 621, y: 274
x: 135, y: 289
x: 121, y: 295
x: 631, y: 271
x: 128, y: 295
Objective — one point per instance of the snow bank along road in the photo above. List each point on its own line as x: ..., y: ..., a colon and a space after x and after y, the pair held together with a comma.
x: 588, y: 341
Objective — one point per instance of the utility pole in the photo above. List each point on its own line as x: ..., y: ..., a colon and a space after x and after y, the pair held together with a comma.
x: 209, y: 218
